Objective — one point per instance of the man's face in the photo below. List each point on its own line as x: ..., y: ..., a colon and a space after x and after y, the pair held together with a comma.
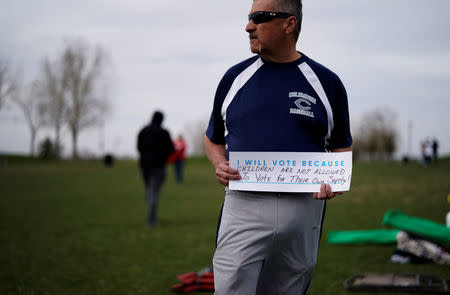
x: 264, y: 37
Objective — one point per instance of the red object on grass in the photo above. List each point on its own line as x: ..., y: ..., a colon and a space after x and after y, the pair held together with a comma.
x: 193, y: 281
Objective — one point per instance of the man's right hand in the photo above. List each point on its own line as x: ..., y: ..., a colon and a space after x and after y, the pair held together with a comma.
x: 225, y: 173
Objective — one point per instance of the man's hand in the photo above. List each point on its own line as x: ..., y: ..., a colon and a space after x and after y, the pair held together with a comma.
x: 225, y: 173
x: 325, y: 193
x: 325, y: 189
x: 216, y: 154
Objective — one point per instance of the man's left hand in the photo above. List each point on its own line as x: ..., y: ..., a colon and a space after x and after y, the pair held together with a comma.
x: 325, y: 193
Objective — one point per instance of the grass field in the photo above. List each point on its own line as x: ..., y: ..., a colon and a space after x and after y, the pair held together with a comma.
x: 79, y: 227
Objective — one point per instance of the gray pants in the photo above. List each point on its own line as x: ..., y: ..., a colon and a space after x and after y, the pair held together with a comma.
x: 267, y: 243
x: 154, y: 180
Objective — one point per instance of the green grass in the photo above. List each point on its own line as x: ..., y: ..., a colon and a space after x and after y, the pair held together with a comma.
x: 79, y: 227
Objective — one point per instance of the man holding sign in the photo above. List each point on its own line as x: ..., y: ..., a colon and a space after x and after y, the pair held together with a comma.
x: 280, y: 101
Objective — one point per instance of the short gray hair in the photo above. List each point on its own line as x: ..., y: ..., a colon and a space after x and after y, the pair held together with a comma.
x: 293, y: 7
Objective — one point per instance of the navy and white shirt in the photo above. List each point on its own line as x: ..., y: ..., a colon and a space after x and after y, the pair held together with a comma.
x: 299, y: 106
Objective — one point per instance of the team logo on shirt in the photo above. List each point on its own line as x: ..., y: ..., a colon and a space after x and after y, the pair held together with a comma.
x: 303, y: 104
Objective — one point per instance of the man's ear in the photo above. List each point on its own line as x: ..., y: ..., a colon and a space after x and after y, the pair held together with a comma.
x: 290, y: 24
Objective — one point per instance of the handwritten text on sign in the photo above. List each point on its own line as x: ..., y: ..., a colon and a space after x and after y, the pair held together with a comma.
x: 291, y: 172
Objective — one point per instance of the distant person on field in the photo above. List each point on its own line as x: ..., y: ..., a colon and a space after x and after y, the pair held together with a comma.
x: 427, y: 151
x: 154, y: 146
x: 435, y: 149
x: 422, y: 150
x: 179, y: 158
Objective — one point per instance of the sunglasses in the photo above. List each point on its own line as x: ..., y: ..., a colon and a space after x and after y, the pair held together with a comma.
x: 260, y: 17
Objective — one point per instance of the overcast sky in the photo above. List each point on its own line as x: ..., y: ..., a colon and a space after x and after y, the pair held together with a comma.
x: 171, y: 54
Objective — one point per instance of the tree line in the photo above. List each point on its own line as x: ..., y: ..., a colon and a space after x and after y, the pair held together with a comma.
x: 70, y: 91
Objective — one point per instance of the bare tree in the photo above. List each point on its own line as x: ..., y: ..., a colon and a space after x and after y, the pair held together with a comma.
x: 77, y: 83
x: 7, y: 83
x: 376, y: 137
x: 28, y: 100
x: 196, y: 133
x: 52, y: 86
x: 84, y: 73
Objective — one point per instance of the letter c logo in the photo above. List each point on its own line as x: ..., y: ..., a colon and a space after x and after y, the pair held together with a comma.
x: 300, y: 103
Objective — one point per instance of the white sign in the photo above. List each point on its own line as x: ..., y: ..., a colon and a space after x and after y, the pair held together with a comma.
x: 291, y: 172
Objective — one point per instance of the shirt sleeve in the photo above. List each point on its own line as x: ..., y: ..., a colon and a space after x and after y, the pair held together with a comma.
x: 340, y: 135
x: 216, y: 127
x: 169, y: 148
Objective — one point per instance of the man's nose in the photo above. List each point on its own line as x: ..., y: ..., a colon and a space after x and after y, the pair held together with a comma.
x: 250, y: 27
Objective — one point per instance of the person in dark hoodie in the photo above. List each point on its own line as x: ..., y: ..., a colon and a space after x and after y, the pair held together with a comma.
x: 154, y: 145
